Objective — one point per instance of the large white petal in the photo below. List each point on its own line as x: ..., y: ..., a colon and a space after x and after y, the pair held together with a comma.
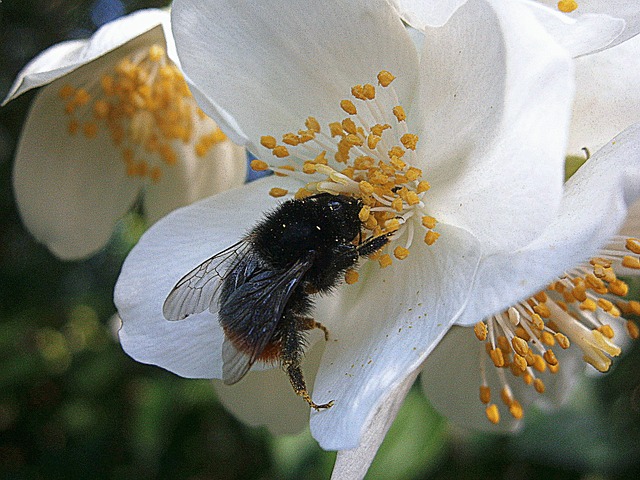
x: 421, y: 14
x: 383, y: 327
x: 624, y: 9
x: 194, y: 178
x: 498, y: 92
x: 593, y: 209
x: 165, y: 253
x: 353, y: 464
x: 581, y: 34
x: 451, y: 381
x: 607, y: 96
x: 70, y: 190
x: 271, y: 64
x: 130, y: 32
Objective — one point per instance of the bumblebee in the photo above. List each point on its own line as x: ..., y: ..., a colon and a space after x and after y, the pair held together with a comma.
x: 261, y: 288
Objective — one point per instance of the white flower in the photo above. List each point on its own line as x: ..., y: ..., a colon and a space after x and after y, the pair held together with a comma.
x: 580, y: 26
x: 113, y: 119
x: 488, y: 98
x: 607, y: 96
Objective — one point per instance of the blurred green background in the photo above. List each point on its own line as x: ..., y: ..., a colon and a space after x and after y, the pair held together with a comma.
x: 73, y: 405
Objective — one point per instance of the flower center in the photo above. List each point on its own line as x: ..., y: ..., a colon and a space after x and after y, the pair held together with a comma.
x: 145, y: 107
x: 567, y: 6
x: 577, y: 309
x: 370, y: 155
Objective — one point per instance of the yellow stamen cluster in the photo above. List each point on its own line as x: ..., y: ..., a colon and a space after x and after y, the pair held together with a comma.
x: 577, y: 309
x: 369, y: 155
x: 567, y: 6
x: 144, y: 106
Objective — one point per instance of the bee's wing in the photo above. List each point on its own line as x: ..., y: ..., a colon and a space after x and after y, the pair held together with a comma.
x: 251, y: 313
x: 197, y: 290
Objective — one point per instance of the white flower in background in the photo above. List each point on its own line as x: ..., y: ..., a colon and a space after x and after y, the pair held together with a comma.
x: 462, y: 153
x: 580, y: 26
x: 113, y: 122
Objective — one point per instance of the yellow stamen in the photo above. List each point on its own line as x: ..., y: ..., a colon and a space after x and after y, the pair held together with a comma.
x: 278, y: 192
x: 567, y: 6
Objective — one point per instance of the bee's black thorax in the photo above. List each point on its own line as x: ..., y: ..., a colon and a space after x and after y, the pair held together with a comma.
x: 324, y: 225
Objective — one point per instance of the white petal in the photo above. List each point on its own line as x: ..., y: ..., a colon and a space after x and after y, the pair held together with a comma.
x: 165, y: 253
x: 194, y: 178
x: 266, y: 397
x: 420, y: 14
x: 607, y: 96
x: 70, y: 190
x: 593, y: 209
x: 383, y: 327
x: 132, y: 30
x: 580, y: 34
x: 353, y: 464
x: 451, y: 381
x: 624, y: 9
x: 271, y: 64
x: 496, y: 97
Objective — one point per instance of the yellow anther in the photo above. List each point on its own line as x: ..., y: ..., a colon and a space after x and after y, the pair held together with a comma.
x: 539, y: 364
x: 619, y: 288
x: 291, y: 139
x: 423, y: 186
x: 541, y: 297
x: 480, y: 329
x: 259, y: 165
x: 349, y: 126
x: 412, y: 198
x: 351, y: 276
x: 547, y: 338
x: 562, y: 340
x: 431, y: 237
x: 392, y: 225
x: 369, y: 91
x: 503, y: 343
x: 413, y: 173
x: 377, y: 129
x: 631, y: 262
x: 336, y: 129
x: 589, y: 305
x: 516, y: 411
x: 607, y: 331
x: 537, y: 321
x: 66, y: 91
x: 353, y: 140
x: 396, y: 204
x: 267, y: 141
x: 348, y: 106
x: 358, y: 92
x: 312, y: 124
x: 366, y: 187
x: 506, y: 396
x: 73, y: 127
x: 399, y: 113
x: 278, y: 192
x: 400, y: 253
x: 90, y: 130
x: 429, y: 222
x: 485, y: 394
x: 302, y: 193
x: 396, y: 151
x: 493, y: 414
x: 567, y: 6
x: 522, y: 333
x: 81, y: 97
x: 520, y: 346
x: 156, y: 53
x: 280, y: 151
x: 101, y: 109
x: 632, y: 330
x: 550, y: 357
x: 520, y: 362
x: 385, y: 78
x: 364, y: 213
x: 496, y: 357
x: 385, y: 260
x: 409, y: 140
x: 309, y: 168
x: 372, y: 141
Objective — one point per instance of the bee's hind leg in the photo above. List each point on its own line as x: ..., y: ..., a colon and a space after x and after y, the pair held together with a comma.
x: 291, y: 356
x: 308, y: 323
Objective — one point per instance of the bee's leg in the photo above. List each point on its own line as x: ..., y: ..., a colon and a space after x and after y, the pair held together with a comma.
x: 308, y: 323
x: 291, y: 355
x: 373, y: 244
